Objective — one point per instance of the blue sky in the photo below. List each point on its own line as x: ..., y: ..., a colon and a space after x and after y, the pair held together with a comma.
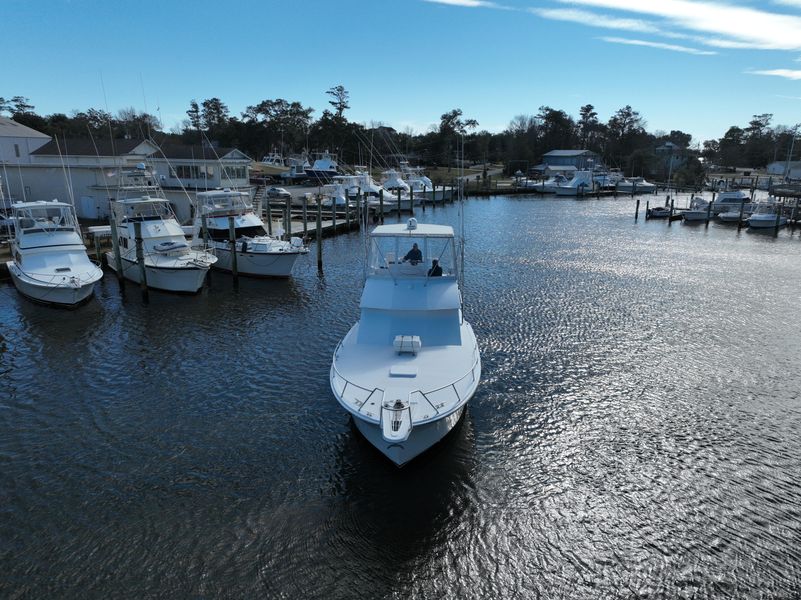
x: 683, y: 64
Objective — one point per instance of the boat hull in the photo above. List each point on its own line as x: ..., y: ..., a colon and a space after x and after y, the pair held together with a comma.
x: 185, y: 280
x: 421, y: 439
x: 261, y: 264
x: 695, y: 216
x: 766, y: 223
x: 57, y: 295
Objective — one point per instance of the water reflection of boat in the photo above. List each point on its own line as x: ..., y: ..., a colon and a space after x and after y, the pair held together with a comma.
x: 49, y: 261
x: 407, y: 368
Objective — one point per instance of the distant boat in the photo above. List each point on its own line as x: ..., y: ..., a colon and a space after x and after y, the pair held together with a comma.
x: 296, y: 170
x: 324, y: 168
x: 658, y: 212
x: 730, y: 201
x: 49, y: 261
x: 408, y: 367
x: 273, y: 165
x: 578, y: 186
x: 767, y: 215
x: 698, y: 210
x: 635, y: 185
x: 257, y: 253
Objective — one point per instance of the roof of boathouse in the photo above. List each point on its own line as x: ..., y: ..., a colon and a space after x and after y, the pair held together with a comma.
x: 568, y: 152
x: 10, y: 128
x: 89, y: 147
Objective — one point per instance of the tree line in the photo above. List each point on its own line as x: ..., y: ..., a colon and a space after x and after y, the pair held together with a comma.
x: 288, y: 126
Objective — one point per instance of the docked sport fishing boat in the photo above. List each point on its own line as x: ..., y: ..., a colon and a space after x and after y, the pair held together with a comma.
x: 578, y: 186
x: 257, y: 253
x: 699, y: 210
x: 407, y: 368
x: 635, y: 185
x: 767, y: 216
x: 49, y: 261
x: 170, y: 263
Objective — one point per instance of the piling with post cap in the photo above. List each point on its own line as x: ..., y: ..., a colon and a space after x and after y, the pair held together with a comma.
x: 708, y: 213
x: 115, y: 245
x: 269, y: 219
x: 334, y: 214
x: 424, y: 198
x: 670, y: 216
x: 347, y: 209
x: 305, y: 217
x: 647, y: 209
x: 232, y: 242
x: 204, y: 229
x: 381, y: 204
x: 320, y: 237
x: 637, y: 211
x: 140, y: 260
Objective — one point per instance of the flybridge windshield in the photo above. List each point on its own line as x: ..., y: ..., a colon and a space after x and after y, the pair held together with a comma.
x: 45, y: 217
x: 412, y: 256
x: 147, y: 210
x: 213, y: 202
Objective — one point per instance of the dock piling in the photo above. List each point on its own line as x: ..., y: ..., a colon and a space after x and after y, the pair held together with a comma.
x: 637, y: 211
x: 115, y: 245
x: 232, y: 241
x: 140, y: 259
x: 319, y: 236
x: 305, y: 216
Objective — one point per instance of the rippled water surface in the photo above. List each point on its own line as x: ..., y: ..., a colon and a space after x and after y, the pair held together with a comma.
x: 637, y: 432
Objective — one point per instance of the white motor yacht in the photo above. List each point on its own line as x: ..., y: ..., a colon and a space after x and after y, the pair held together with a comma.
x: 170, y: 263
x: 407, y: 368
x: 635, y: 185
x: 324, y: 168
x: 730, y: 201
x: 766, y: 216
x: 578, y: 186
x: 698, y: 211
x: 257, y: 254
x: 49, y: 261
x: 273, y: 165
x: 547, y: 186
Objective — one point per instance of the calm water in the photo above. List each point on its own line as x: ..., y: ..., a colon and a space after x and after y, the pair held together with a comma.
x: 637, y: 433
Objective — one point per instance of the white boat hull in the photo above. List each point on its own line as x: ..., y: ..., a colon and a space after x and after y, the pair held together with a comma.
x: 766, y: 222
x: 50, y: 293
x: 261, y: 264
x: 169, y: 279
x: 695, y: 216
x: 421, y: 439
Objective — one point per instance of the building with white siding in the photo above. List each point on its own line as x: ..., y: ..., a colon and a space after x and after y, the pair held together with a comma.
x: 85, y: 172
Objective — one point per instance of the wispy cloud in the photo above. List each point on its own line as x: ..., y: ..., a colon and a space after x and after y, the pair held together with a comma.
x: 795, y: 3
x: 660, y: 45
x: 585, y: 17
x: 731, y: 26
x: 786, y: 73
x: 467, y: 3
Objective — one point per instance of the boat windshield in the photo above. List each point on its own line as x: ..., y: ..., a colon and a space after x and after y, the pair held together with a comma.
x: 147, y: 210
x: 412, y: 256
x: 238, y: 202
x: 45, y: 218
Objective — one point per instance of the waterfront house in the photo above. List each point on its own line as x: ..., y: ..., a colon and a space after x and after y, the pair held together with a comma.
x: 566, y: 162
x: 86, y: 172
